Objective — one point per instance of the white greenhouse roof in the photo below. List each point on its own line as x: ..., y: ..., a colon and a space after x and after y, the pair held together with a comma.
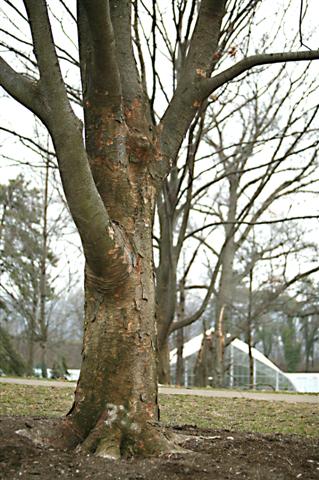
x: 255, y: 353
x: 193, y: 346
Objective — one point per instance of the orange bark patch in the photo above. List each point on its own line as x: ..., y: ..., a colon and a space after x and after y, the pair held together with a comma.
x: 216, y: 55
x: 149, y: 407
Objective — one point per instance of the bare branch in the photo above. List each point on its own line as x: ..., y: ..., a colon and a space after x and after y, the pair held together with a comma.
x: 210, y: 85
x: 104, y: 66
x: 21, y: 88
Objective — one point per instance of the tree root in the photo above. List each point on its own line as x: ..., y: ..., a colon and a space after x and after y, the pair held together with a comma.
x: 110, y: 440
x: 114, y: 442
x: 61, y: 434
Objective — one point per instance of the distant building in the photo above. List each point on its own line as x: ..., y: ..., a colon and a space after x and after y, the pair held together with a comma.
x: 266, y: 373
x: 305, y: 382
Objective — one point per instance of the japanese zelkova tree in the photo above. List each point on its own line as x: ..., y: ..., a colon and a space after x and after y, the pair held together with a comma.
x: 112, y: 169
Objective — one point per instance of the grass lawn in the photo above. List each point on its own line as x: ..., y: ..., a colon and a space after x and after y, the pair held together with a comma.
x: 234, y: 414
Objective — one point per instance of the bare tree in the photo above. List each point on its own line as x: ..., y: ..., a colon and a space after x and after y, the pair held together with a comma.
x: 111, y: 182
x: 247, y: 183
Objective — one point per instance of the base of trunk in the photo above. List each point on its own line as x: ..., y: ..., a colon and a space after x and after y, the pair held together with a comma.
x: 110, y: 442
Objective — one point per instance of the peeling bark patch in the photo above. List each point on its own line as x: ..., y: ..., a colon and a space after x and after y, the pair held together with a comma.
x: 150, y: 410
x: 196, y: 104
x: 122, y: 417
x: 111, y: 232
x: 200, y: 72
x: 111, y: 414
x: 144, y: 294
x: 137, y: 305
x: 124, y: 317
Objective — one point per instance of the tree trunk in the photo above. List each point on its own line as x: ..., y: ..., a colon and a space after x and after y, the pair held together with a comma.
x: 180, y: 335
x: 226, y: 284
x: 44, y: 370
x: 116, y: 396
x: 250, y: 332
x: 166, y: 290
x: 204, y: 361
x: 164, y: 374
x: 30, y: 360
x: 220, y: 350
x: 116, y: 401
x: 117, y: 391
x: 180, y: 361
x: 31, y: 339
x: 43, y: 275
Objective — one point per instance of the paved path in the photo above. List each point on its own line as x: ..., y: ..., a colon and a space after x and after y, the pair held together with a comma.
x: 276, y: 397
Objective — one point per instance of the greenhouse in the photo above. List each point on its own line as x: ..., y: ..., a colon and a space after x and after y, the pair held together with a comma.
x: 266, y: 373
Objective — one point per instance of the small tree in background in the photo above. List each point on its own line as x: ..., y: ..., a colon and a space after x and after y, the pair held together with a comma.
x: 24, y: 289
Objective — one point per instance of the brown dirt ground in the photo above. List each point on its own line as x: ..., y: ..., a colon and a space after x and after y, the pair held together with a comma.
x: 212, y: 454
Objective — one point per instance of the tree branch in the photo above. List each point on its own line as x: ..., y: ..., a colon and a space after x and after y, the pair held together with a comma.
x: 21, y: 88
x: 104, y: 71
x: 210, y: 85
x: 106, y: 249
x: 121, y: 15
x: 198, y: 64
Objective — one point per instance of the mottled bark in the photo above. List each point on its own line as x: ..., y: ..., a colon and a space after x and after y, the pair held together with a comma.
x: 116, y: 395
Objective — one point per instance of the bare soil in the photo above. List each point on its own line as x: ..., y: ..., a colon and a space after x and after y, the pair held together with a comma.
x: 211, y: 454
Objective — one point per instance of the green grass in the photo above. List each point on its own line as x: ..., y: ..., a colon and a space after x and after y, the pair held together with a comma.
x: 34, y: 401
x: 234, y: 414
x: 240, y: 414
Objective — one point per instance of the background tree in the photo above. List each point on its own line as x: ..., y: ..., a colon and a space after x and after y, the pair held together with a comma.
x: 25, y: 285
x: 11, y: 362
x: 243, y: 186
x: 179, y: 194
